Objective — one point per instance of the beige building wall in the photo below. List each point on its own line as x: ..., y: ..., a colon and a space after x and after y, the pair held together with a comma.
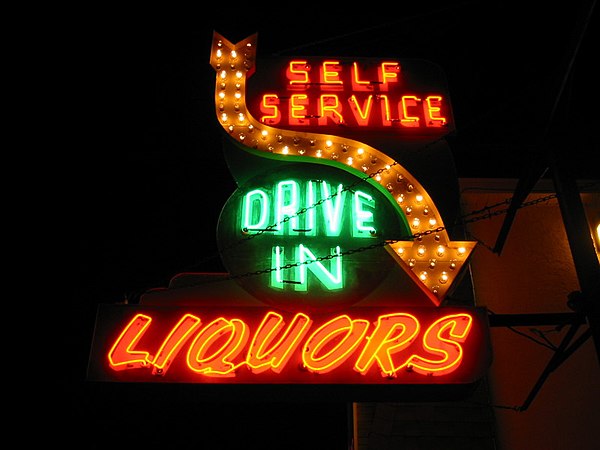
x: 533, y: 274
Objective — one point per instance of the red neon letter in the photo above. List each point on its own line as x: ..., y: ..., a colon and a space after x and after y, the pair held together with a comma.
x: 263, y: 354
x: 341, y: 334
x: 218, y: 363
x: 361, y: 115
x: 173, y: 343
x: 386, y: 118
x: 386, y: 340
x: 331, y: 78
x: 269, y: 108
x: 357, y: 84
x: 298, y: 103
x: 406, y: 102
x: 449, y: 350
x: 432, y: 111
x: 297, y: 73
x: 388, y: 74
x: 122, y: 356
x: 329, y: 109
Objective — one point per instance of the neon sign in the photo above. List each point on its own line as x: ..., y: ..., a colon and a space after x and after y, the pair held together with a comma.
x: 432, y: 259
x: 259, y: 345
x: 317, y: 224
x: 348, y: 96
x: 308, y: 254
x: 288, y: 198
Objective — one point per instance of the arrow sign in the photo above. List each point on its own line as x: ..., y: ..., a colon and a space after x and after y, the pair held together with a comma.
x: 422, y: 247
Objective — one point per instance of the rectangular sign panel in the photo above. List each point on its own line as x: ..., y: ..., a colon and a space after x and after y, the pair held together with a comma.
x: 261, y: 345
x: 351, y: 96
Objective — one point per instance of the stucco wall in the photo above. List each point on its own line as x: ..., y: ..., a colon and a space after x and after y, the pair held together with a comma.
x: 533, y: 274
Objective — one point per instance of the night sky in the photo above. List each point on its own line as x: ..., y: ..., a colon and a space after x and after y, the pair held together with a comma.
x: 151, y: 178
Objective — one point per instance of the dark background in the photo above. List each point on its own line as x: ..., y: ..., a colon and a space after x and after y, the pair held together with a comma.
x: 151, y: 179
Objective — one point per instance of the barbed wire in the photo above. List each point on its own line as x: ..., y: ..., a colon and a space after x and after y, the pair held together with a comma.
x: 303, y: 210
x: 488, y: 209
x: 378, y: 244
x: 488, y: 213
x: 484, y: 213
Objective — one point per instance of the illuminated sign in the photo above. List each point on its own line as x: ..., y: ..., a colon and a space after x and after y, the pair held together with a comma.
x: 260, y: 345
x: 309, y: 253
x: 319, y: 224
x: 420, y: 243
x: 349, y: 96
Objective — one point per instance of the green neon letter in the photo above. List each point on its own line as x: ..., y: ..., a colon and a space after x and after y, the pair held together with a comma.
x: 333, y: 209
x: 309, y: 215
x: 286, y: 205
x: 256, y: 210
x: 277, y: 259
x: 362, y: 216
x: 331, y: 280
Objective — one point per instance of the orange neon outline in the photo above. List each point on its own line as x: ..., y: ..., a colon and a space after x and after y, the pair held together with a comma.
x: 270, y: 102
x: 409, y: 121
x: 362, y: 118
x: 121, y: 356
x: 273, y: 344
x: 259, y: 358
x: 329, y: 111
x: 298, y: 102
x: 172, y: 344
x: 448, y: 363
x: 386, y: 118
x: 218, y: 364
x: 356, y: 330
x: 430, y: 109
x: 330, y: 77
x: 358, y: 84
x: 291, y: 73
x: 386, y: 344
x: 384, y: 73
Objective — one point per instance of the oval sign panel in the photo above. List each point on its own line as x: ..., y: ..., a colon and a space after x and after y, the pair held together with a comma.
x: 291, y: 236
